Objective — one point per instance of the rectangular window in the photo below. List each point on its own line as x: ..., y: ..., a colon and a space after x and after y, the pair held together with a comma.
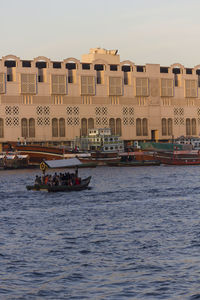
x: 99, y: 67
x: 198, y: 74
x: 140, y: 68
x: 10, y: 63
x: 163, y: 70
x: 87, y: 85
x: 70, y: 76
x: 70, y: 66
x: 125, y: 78
x: 41, y: 65
x: 115, y: 86
x: 113, y: 67
x: 9, y: 74
x: 166, y: 87
x: 26, y: 64
x: 142, y: 87
x: 99, y: 79
x: 188, y: 71
x: 176, y: 71
x: 190, y: 88
x: 58, y: 84
x: 28, y: 83
x: 85, y: 66
x: 40, y: 75
x: 56, y: 65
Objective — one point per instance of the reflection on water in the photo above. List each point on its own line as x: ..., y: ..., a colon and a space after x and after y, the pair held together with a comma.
x: 135, y: 234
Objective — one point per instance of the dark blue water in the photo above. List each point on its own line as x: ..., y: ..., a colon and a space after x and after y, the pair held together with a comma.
x: 134, y: 235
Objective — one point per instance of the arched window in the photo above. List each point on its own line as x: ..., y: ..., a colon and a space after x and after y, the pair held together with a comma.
x: 119, y: 127
x: 194, y: 127
x: 31, y: 128
x: 62, y: 127
x: 138, y: 127
x: 84, y: 127
x: 188, y: 127
x: 112, y: 125
x: 1, y: 128
x: 170, y: 129
x: 164, y: 126
x: 54, y: 127
x: 24, y: 128
x: 90, y: 123
x: 144, y: 127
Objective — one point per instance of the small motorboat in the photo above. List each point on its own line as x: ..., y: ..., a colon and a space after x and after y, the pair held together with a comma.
x: 71, y: 183
x: 61, y: 188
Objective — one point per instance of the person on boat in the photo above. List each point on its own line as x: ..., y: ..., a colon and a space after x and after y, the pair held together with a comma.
x: 50, y: 180
x: 77, y: 180
x: 37, y: 180
x: 46, y: 179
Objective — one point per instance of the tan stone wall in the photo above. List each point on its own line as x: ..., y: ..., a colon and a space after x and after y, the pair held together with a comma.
x: 101, y: 103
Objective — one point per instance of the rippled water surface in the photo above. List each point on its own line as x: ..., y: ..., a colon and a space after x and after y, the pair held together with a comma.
x: 134, y: 235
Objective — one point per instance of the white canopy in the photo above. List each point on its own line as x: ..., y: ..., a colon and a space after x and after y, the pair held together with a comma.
x: 63, y: 163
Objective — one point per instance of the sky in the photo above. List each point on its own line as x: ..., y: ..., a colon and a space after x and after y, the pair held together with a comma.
x: 144, y: 31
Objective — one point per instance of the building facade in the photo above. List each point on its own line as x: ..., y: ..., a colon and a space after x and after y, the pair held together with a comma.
x: 50, y: 101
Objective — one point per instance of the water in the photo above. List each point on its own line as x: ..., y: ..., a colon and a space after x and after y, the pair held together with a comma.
x: 134, y: 235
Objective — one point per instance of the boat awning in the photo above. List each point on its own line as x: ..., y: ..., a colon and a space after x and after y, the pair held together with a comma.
x: 63, y: 163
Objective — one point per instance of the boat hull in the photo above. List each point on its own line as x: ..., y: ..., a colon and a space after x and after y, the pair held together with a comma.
x: 180, y: 162
x: 39, y: 153
x: 61, y: 188
x: 135, y: 164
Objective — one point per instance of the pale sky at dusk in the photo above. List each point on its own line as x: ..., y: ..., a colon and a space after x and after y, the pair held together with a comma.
x: 144, y: 31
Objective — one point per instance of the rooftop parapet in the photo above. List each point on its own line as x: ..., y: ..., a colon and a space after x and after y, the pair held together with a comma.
x: 109, y: 56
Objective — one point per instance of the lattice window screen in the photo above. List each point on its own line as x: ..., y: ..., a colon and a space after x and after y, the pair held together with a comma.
x: 190, y: 88
x: 87, y: 85
x: 76, y: 121
x: 70, y: 121
x: 39, y: 121
x: 46, y: 121
x: 131, y: 121
x: 142, y: 87
x: 8, y: 110
x: 8, y: 121
x: 104, y: 121
x: 28, y: 83
x: 76, y: 110
x: 15, y: 110
x: 125, y: 110
x: 16, y: 121
x: 58, y: 84
x: 98, y: 121
x: 179, y: 111
x: 125, y: 121
x: 167, y: 87
x: 115, y: 86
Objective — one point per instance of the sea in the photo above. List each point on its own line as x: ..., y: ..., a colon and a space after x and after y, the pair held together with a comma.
x: 134, y: 235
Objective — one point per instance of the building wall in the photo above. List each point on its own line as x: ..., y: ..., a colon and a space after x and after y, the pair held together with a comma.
x: 101, y: 88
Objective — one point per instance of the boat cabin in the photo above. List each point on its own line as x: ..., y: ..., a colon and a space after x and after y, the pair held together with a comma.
x: 100, y: 140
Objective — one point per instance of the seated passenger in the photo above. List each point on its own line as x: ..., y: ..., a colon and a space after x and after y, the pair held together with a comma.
x: 77, y: 180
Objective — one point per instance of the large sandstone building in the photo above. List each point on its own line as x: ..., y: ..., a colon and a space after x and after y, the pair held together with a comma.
x: 43, y: 100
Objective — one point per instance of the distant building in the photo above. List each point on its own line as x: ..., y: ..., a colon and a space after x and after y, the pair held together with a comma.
x: 100, y: 139
x: 50, y: 101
